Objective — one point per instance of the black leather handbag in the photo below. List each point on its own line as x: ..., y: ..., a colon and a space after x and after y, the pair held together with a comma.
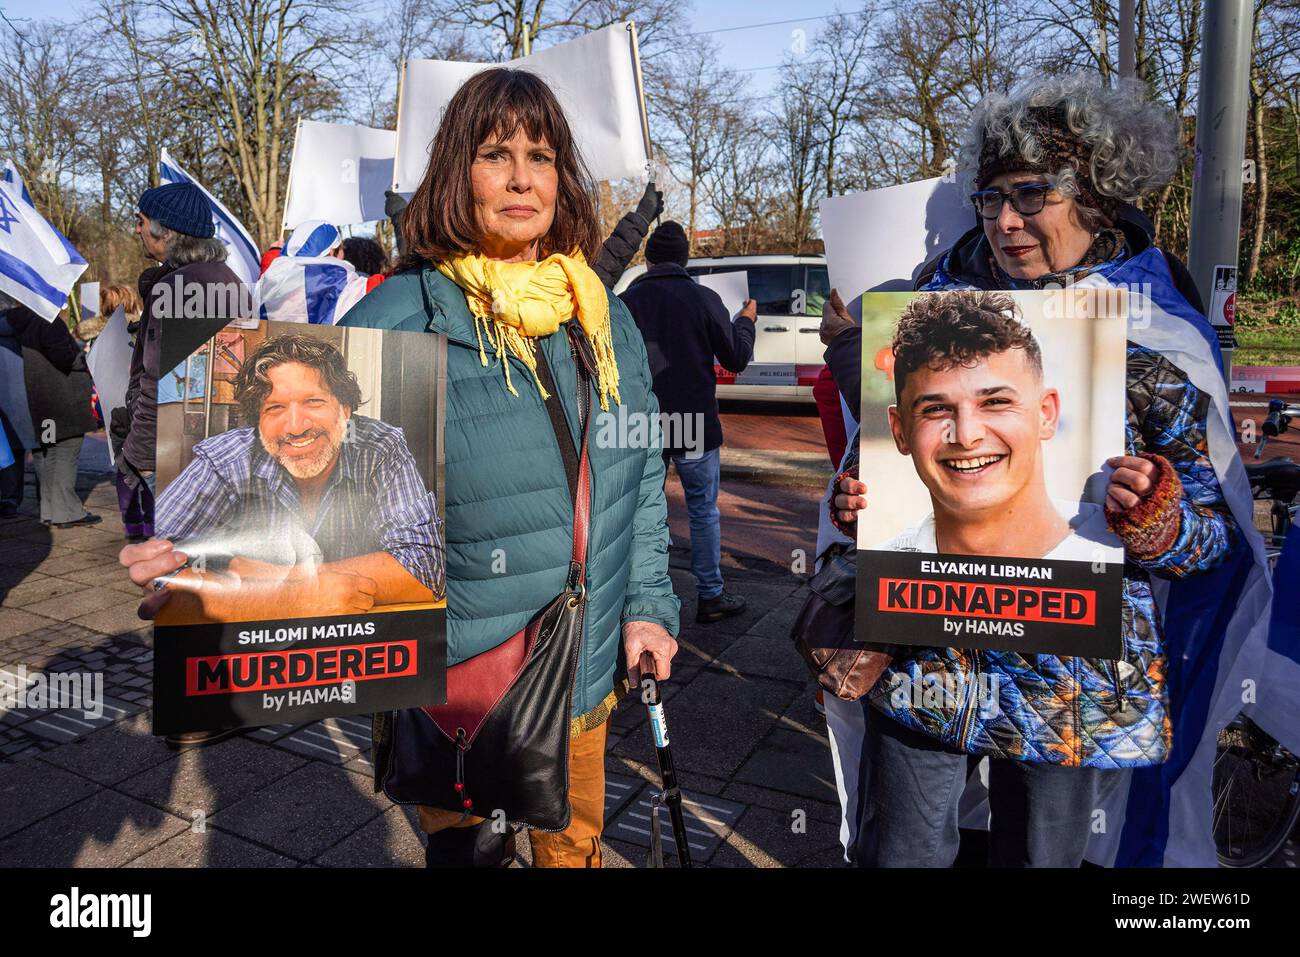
x: 501, y: 743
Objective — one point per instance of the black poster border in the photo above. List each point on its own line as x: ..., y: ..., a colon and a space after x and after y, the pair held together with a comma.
x: 1102, y: 639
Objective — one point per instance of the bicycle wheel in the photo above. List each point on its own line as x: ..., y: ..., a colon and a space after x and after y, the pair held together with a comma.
x: 1256, y: 795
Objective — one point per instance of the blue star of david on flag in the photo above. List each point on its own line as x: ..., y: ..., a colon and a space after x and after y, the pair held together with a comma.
x: 8, y: 214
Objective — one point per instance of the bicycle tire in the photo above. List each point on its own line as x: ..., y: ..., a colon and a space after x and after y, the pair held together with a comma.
x: 1276, y: 834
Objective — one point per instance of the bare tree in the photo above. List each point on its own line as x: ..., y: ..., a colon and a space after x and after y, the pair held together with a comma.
x: 801, y: 157
x: 692, y: 108
x: 45, y: 76
x: 247, y: 69
x: 512, y: 28
x: 840, y: 56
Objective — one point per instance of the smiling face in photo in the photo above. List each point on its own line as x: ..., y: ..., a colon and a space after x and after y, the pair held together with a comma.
x: 975, y: 432
x: 301, y: 424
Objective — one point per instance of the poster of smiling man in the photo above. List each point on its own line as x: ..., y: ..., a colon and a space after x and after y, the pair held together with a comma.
x: 299, y: 474
x: 987, y: 420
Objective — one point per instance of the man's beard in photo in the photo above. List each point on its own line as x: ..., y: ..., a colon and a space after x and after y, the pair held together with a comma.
x: 308, y: 467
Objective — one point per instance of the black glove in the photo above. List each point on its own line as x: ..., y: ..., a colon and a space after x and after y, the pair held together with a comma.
x: 393, y: 203
x: 652, y: 203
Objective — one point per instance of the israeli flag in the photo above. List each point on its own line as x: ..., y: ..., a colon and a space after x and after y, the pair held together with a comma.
x: 38, y: 266
x: 243, y: 258
x: 9, y: 174
x: 305, y: 283
x: 1216, y: 625
x: 1278, y: 708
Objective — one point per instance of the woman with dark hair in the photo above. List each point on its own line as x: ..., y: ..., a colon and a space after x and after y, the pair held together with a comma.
x: 497, y: 240
x: 1057, y: 164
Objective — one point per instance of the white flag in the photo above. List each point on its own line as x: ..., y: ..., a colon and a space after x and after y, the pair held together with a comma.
x: 89, y: 300
x: 925, y: 218
x: 339, y: 173
x: 243, y: 259
x: 110, y: 366
x: 594, y: 78
x: 38, y: 266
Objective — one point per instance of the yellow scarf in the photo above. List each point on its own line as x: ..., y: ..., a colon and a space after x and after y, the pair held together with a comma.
x: 514, y: 303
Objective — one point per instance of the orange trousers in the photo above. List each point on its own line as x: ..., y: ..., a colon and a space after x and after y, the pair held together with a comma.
x: 578, y: 845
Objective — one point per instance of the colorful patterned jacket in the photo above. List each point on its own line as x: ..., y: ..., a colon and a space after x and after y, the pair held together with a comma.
x: 1079, y: 711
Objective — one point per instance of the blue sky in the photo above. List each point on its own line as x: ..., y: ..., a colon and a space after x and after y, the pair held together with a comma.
x: 741, y: 49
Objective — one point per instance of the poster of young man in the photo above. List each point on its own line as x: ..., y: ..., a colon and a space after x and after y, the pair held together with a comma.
x: 987, y: 420
x: 299, y: 472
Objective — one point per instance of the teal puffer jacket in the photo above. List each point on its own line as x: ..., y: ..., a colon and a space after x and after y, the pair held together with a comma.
x: 509, y: 518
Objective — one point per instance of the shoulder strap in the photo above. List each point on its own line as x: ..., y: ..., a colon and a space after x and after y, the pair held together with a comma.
x: 577, y: 467
x: 563, y: 437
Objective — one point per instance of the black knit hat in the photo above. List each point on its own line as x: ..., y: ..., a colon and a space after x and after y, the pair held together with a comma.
x: 181, y: 207
x: 668, y: 244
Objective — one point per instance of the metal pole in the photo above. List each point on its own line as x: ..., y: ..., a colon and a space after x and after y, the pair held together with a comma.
x: 1127, y: 39
x: 640, y: 96
x: 1220, y: 151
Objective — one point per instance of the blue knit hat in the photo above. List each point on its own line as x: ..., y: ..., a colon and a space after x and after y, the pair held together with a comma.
x: 180, y: 207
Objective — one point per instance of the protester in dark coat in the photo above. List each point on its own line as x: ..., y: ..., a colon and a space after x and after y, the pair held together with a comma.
x: 175, y: 226
x: 685, y: 325
x: 11, y: 474
x: 58, y: 399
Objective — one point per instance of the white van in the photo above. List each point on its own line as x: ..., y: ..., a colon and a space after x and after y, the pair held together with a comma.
x: 790, y: 291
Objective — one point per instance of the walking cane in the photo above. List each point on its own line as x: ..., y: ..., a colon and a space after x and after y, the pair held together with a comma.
x: 670, y: 794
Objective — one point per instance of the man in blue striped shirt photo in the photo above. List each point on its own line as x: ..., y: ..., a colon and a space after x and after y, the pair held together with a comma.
x: 315, y: 510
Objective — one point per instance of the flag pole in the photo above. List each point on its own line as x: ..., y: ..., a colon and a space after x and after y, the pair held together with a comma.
x: 640, y: 95
x: 293, y: 161
x: 397, y: 143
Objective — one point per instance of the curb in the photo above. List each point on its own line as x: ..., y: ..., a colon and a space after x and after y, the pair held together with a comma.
x: 775, y: 467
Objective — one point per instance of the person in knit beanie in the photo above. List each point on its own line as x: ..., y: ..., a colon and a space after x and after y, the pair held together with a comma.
x: 191, y: 281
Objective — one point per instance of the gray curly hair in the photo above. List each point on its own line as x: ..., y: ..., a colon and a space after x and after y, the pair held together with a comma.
x: 1133, y: 145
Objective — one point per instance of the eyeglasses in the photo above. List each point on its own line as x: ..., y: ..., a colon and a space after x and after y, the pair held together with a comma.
x: 1027, y: 199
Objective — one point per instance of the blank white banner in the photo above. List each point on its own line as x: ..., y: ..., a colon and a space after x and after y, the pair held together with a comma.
x: 877, y: 241
x: 593, y: 77
x: 339, y: 173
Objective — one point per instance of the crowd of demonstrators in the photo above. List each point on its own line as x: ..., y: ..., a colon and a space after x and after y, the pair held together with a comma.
x: 685, y: 326
x: 58, y: 394
x: 1058, y: 164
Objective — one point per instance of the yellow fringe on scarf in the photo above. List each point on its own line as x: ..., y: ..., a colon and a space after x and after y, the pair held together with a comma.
x: 514, y: 303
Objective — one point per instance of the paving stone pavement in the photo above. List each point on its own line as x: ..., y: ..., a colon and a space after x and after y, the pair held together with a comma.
x: 101, y: 790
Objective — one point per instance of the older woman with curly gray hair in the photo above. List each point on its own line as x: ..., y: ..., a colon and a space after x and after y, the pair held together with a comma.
x: 1057, y: 164
x: 1055, y: 168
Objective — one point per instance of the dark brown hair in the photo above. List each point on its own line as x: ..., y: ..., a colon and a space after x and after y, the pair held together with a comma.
x: 439, y: 223
x: 252, y: 385
x: 940, y: 330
